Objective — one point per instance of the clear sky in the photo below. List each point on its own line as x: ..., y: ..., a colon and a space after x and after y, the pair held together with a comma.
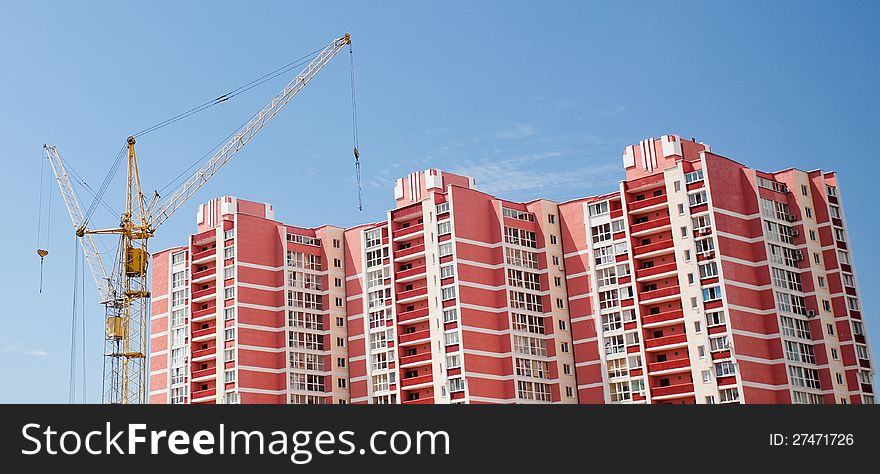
x: 534, y: 99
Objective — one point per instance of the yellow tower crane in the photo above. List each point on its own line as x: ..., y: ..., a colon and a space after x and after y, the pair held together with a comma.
x: 125, y: 291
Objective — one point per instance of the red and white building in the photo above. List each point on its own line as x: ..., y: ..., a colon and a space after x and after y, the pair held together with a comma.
x: 698, y: 281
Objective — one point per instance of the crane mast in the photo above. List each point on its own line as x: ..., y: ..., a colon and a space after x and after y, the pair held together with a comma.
x: 126, y: 295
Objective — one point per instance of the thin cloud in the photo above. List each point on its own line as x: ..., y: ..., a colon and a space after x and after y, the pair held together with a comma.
x: 516, y: 132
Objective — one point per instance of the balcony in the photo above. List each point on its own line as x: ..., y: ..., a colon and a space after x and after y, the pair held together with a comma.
x: 675, y: 340
x: 202, y: 313
x: 204, y: 374
x: 204, y: 295
x: 410, y: 253
x: 656, y: 296
x: 669, y: 366
x: 201, y: 334
x: 203, y: 394
x: 415, y: 381
x: 408, y: 316
x: 410, y: 274
x: 415, y: 359
x: 673, y: 391
x: 645, y: 205
x: 412, y: 295
x: 644, y: 274
x: 656, y: 248
x: 406, y: 233
x: 204, y: 354
x: 204, y: 275
x: 650, y: 226
x: 661, y: 319
x: 420, y: 401
x: 413, y: 337
x: 203, y: 255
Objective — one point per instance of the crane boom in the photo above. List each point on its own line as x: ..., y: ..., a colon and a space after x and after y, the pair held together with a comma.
x: 242, y: 136
x: 90, y: 250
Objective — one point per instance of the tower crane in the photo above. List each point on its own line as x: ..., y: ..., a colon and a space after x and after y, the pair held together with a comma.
x: 125, y: 291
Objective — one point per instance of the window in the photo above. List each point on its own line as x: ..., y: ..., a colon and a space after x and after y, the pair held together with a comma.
x: 614, y: 345
x: 532, y: 368
x: 677, y: 186
x: 862, y: 352
x: 809, y: 212
x: 790, y: 303
x: 304, y: 239
x: 516, y: 236
x: 557, y: 281
x: 178, y: 395
x: 724, y: 369
x: 609, y: 299
x: 528, y: 345
x: 372, y: 237
x: 178, y: 297
x: 795, y: 327
x: 519, y: 215
x: 229, y: 376
x: 696, y: 199
x: 680, y: 209
x: 551, y: 218
x: 799, y: 352
x: 442, y: 208
x: 693, y: 176
x: 708, y: 270
x: 612, y: 321
x: 701, y: 223
x: 601, y: 233
x: 617, y: 226
x: 178, y: 317
x: 229, y: 313
x: 445, y: 249
x: 375, y: 257
x: 178, y: 258
x: 177, y: 375
x: 852, y: 303
x: 858, y: 329
x: 521, y: 258
x: 703, y: 246
x: 619, y: 391
x: 447, y: 271
x: 843, y: 256
x: 684, y: 232
x: 228, y: 252
x: 835, y: 211
x: 772, y: 185
x: 526, y: 301
x: 831, y: 191
x: 456, y: 385
x: 447, y: 293
x: 715, y: 318
x: 527, y: 323
x: 450, y: 315
x: 712, y: 293
x: 617, y: 368
x: 603, y: 255
x: 229, y: 334
x: 451, y: 338
x: 804, y: 398
x: 228, y: 355
x: 598, y: 208
x: 178, y: 336
x: 728, y: 395
x: 606, y: 276
x: 533, y: 391
x: 803, y: 377
x: 444, y: 227
x: 178, y: 279
x: 553, y: 240
x: 707, y: 376
x: 453, y: 361
x: 787, y: 279
x: 848, y: 280
x: 719, y: 343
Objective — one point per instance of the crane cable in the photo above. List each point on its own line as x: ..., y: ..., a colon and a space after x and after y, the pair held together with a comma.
x: 42, y: 252
x: 354, y: 130
x: 71, y: 394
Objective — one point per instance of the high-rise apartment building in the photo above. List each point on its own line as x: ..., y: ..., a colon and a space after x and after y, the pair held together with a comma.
x: 698, y: 281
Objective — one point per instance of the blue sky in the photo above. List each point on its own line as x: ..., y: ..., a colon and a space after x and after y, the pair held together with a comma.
x: 532, y: 98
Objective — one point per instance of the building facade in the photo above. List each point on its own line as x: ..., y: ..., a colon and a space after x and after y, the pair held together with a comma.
x: 699, y: 280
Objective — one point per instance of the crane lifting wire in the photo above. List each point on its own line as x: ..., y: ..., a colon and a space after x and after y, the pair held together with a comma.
x: 124, y: 290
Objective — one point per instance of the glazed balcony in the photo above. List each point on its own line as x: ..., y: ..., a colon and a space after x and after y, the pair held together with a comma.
x: 656, y: 248
x: 406, y: 233
x: 674, y: 340
x: 673, y: 391
x: 408, y: 339
x: 408, y: 316
x: 662, y: 319
x: 648, y: 204
x: 655, y: 225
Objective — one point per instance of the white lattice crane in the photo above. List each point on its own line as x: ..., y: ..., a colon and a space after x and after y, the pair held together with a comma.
x: 125, y: 290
